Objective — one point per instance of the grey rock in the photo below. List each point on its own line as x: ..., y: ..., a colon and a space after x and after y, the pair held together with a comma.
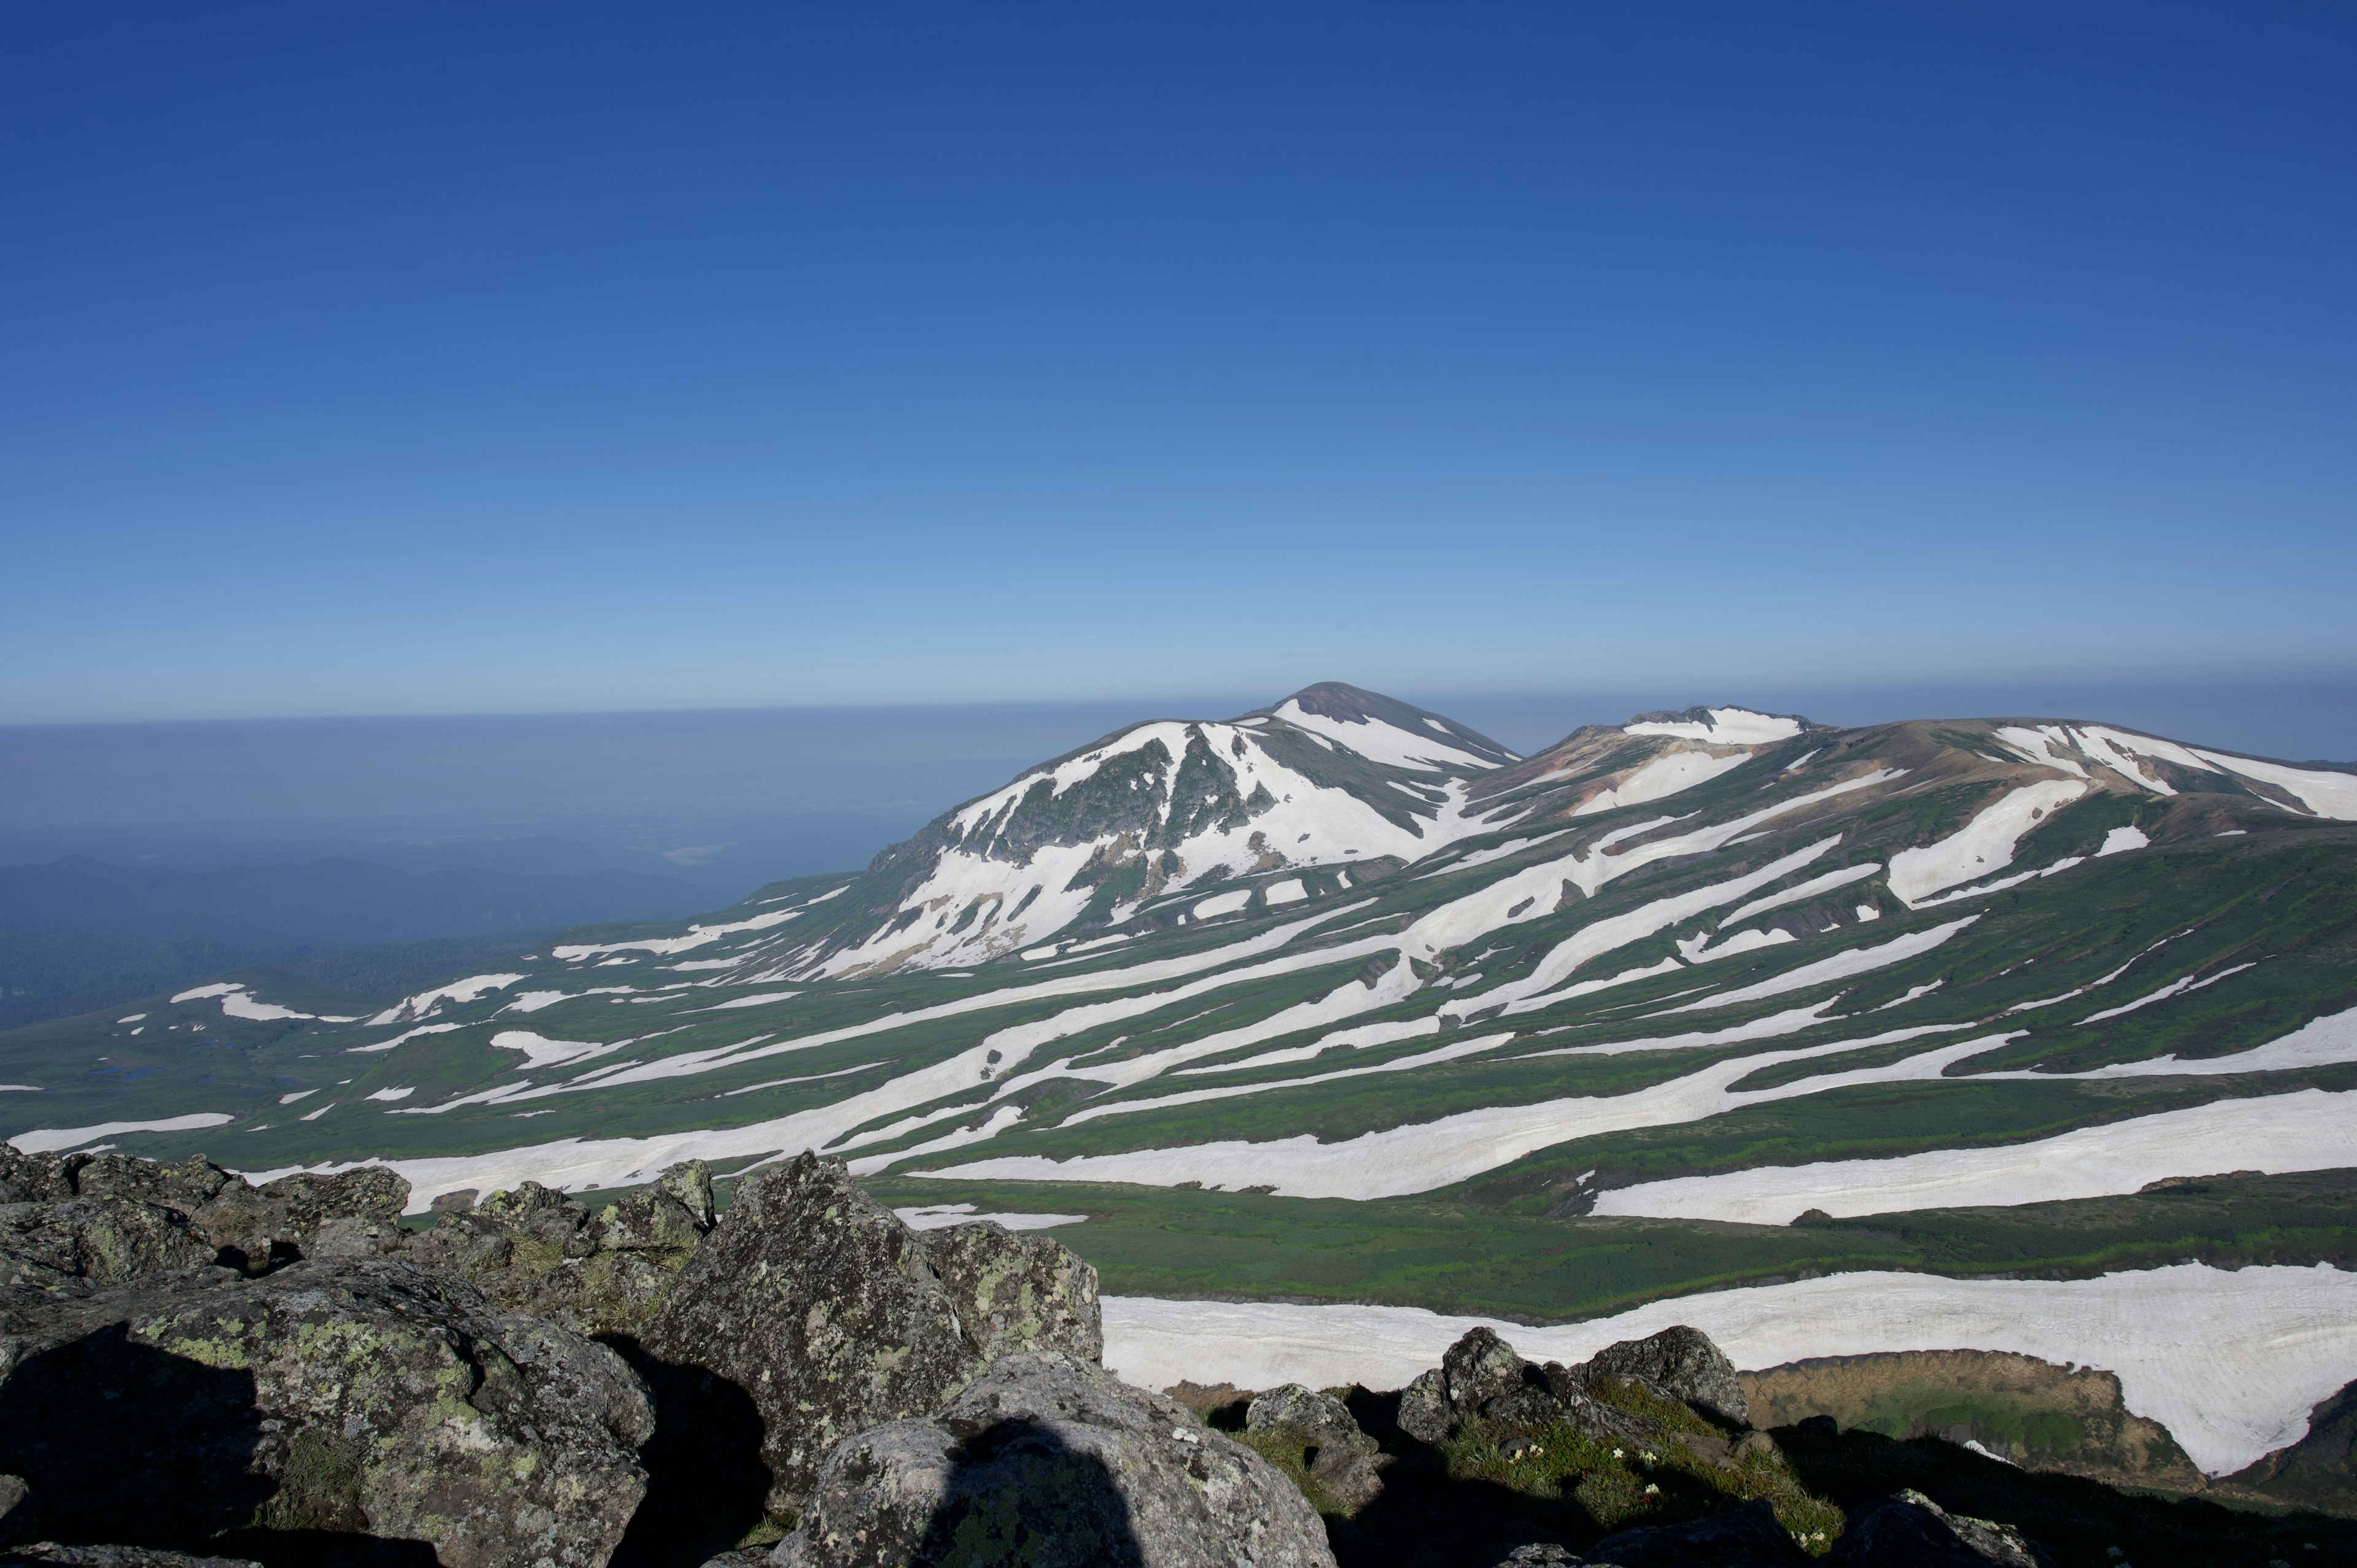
x: 1048, y: 1461
x: 359, y: 1395
x: 819, y: 1304
x: 1424, y: 1412
x: 1683, y: 1363
x: 47, y: 1552
x: 1541, y: 1554
x: 354, y: 1213
x: 1481, y: 1376
x: 1341, y: 1457
x: 113, y: 1219
x: 1480, y: 1367
x: 1017, y: 1292
x: 16, y: 1515
x: 1748, y: 1537
x: 78, y: 1244
x: 1910, y: 1531
x: 533, y: 1250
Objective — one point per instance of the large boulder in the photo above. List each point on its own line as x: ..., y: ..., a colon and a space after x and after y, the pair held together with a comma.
x: 1339, y: 1456
x: 75, y: 1245
x: 72, y: 1222
x: 1910, y: 1531
x: 354, y: 1213
x: 353, y: 1396
x: 1016, y: 1291
x: 533, y: 1250
x: 1683, y: 1363
x: 1747, y: 1536
x: 1482, y: 1376
x: 831, y: 1314
x: 1045, y: 1460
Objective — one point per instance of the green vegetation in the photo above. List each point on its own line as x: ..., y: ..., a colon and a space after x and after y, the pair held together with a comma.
x: 1458, y: 1258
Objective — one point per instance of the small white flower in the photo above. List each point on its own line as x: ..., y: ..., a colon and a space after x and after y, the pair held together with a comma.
x: 1652, y: 1490
x: 1616, y: 1454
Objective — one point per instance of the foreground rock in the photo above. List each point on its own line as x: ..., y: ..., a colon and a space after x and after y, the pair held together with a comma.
x: 831, y: 1315
x: 1339, y: 1457
x: 355, y: 1396
x: 1682, y: 1364
x: 533, y: 1250
x: 1480, y: 1377
x: 1047, y: 1460
x: 1910, y: 1531
x: 70, y: 1224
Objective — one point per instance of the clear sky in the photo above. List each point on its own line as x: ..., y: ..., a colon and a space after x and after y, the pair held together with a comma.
x: 441, y: 358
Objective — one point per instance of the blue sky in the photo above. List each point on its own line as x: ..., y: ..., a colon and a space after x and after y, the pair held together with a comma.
x: 450, y: 359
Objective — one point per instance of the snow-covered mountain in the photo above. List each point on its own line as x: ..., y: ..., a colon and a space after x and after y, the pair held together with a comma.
x: 1715, y: 967
x: 1170, y: 820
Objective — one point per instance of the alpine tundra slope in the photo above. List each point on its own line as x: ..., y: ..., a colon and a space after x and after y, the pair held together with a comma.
x: 1341, y: 1002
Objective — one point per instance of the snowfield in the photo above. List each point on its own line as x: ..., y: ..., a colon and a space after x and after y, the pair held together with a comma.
x: 2230, y: 1362
x: 2308, y: 1130
x: 1982, y: 845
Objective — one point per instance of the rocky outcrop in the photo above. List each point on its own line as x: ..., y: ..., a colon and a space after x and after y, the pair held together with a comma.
x: 831, y: 1315
x: 1341, y: 1457
x: 71, y: 1223
x: 1482, y: 1376
x: 353, y: 1396
x: 532, y: 1249
x: 75, y: 1245
x: 1045, y: 1459
x: 1910, y: 1531
x: 352, y: 1214
x: 1017, y: 1292
x: 1682, y: 1363
x: 1747, y: 1536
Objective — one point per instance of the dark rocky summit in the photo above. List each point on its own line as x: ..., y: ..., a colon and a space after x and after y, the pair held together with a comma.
x: 832, y: 1317
x: 1047, y: 1460
x: 354, y: 1396
x: 197, y: 1369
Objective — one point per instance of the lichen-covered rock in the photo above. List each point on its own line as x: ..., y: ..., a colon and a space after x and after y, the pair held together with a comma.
x: 1480, y: 1367
x: 824, y: 1307
x: 1747, y: 1536
x: 1424, y: 1412
x: 1480, y: 1377
x: 79, y: 1244
x: 1017, y: 1292
x: 1910, y: 1531
x: 1683, y: 1363
x: 354, y: 1213
x: 113, y: 1219
x: 16, y: 1511
x: 1048, y: 1461
x: 1341, y: 1457
x: 360, y: 1396
x: 533, y: 1250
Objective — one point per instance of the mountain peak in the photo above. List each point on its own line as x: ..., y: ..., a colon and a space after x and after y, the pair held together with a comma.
x: 1342, y: 704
